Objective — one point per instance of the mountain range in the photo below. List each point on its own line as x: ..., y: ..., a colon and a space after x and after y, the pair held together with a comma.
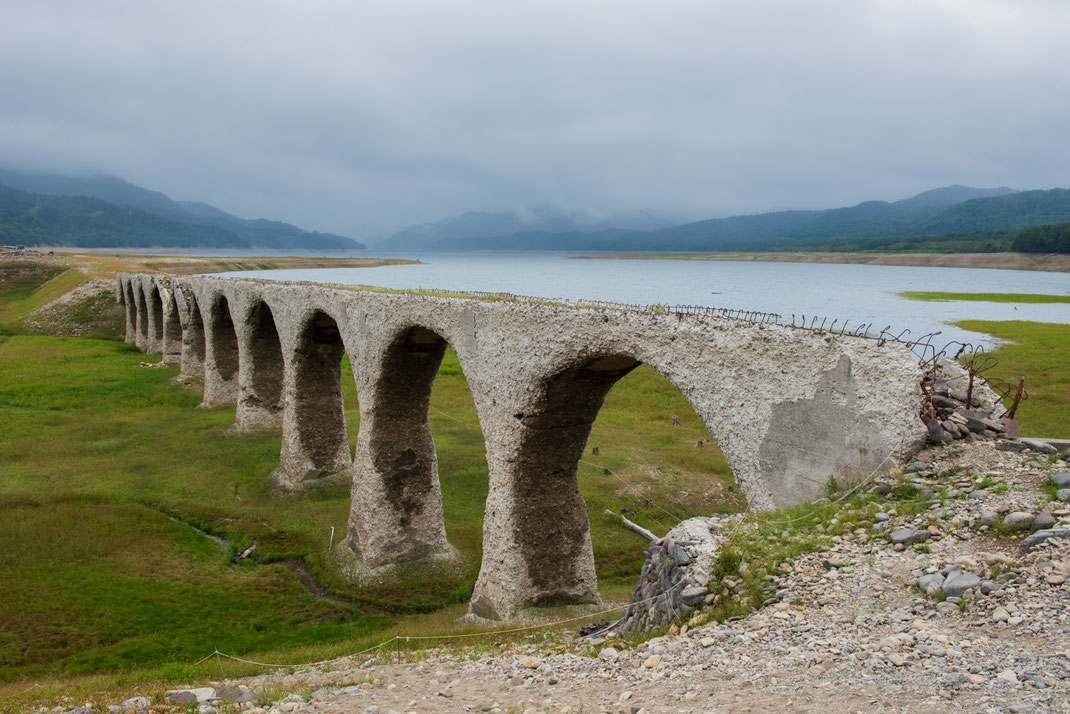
x: 950, y: 210
x: 107, y: 212
x: 100, y: 211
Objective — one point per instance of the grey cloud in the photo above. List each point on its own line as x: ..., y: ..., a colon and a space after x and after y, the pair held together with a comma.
x: 359, y: 117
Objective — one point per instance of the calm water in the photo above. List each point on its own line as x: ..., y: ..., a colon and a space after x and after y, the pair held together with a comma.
x: 859, y: 293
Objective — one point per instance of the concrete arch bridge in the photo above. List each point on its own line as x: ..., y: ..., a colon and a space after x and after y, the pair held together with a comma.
x: 787, y: 406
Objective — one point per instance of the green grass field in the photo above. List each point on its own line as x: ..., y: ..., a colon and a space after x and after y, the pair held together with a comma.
x: 1040, y: 351
x: 984, y: 297
x: 96, y: 450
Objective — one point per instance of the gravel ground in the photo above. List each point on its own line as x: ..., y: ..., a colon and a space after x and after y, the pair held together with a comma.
x: 850, y: 629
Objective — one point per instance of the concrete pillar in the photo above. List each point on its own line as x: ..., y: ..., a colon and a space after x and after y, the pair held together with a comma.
x: 396, y: 507
x: 260, y: 372
x: 141, y: 324
x: 314, y: 438
x: 220, y: 355
x: 171, y: 344
x: 536, y: 536
x: 154, y: 304
x: 193, y: 342
x: 131, y: 311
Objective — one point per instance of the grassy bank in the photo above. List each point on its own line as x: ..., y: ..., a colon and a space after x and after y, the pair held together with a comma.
x: 935, y: 296
x: 27, y: 285
x: 1040, y: 351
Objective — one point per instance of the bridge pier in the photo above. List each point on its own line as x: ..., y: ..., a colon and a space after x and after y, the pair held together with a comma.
x: 141, y: 322
x: 154, y: 306
x: 171, y: 343
x: 396, y: 508
x: 260, y: 371
x: 193, y: 342
x: 315, y: 442
x: 220, y: 354
x: 537, y: 539
x: 131, y: 311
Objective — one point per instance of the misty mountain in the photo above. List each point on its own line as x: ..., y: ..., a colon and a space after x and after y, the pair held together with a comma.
x: 950, y: 195
x: 958, y: 210
x: 546, y: 227
x: 872, y: 219
x: 196, y: 225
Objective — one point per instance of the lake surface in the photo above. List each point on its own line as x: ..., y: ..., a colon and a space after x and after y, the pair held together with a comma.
x: 857, y: 293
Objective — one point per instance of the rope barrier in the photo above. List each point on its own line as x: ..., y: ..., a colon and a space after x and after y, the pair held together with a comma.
x: 635, y: 492
x: 31, y: 688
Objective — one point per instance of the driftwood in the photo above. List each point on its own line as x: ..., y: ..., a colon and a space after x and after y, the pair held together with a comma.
x: 637, y: 528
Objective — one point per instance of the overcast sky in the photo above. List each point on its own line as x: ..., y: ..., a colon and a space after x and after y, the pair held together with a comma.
x: 360, y: 117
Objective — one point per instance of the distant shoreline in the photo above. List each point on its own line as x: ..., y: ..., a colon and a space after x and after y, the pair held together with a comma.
x: 1004, y: 261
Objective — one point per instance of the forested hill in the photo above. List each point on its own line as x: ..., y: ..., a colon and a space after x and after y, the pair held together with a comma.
x: 875, y: 219
x: 101, y: 212
x: 951, y: 218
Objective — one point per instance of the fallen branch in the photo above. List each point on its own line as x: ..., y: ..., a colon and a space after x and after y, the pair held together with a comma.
x: 637, y: 528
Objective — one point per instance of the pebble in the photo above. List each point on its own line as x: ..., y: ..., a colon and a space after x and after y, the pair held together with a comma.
x: 1018, y: 520
x: 1060, y: 479
x: 958, y: 583
x: 906, y: 536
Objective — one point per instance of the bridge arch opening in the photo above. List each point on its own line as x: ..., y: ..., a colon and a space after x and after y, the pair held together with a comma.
x: 260, y: 398
x: 316, y: 441
x: 397, y: 509
x: 642, y: 454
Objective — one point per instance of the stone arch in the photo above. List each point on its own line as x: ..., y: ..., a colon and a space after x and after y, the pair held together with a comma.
x: 396, y: 513
x: 315, y: 441
x: 171, y: 342
x: 262, y: 371
x: 221, y: 354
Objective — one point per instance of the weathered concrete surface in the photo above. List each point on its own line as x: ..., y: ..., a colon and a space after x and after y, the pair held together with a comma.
x: 261, y: 374
x: 788, y: 407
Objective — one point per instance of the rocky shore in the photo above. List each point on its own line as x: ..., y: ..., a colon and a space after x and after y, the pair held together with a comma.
x: 943, y: 608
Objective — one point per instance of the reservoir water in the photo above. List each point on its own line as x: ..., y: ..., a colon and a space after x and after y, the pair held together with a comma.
x: 857, y: 293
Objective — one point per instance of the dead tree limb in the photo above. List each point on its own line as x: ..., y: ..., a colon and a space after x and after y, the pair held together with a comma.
x: 636, y: 527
